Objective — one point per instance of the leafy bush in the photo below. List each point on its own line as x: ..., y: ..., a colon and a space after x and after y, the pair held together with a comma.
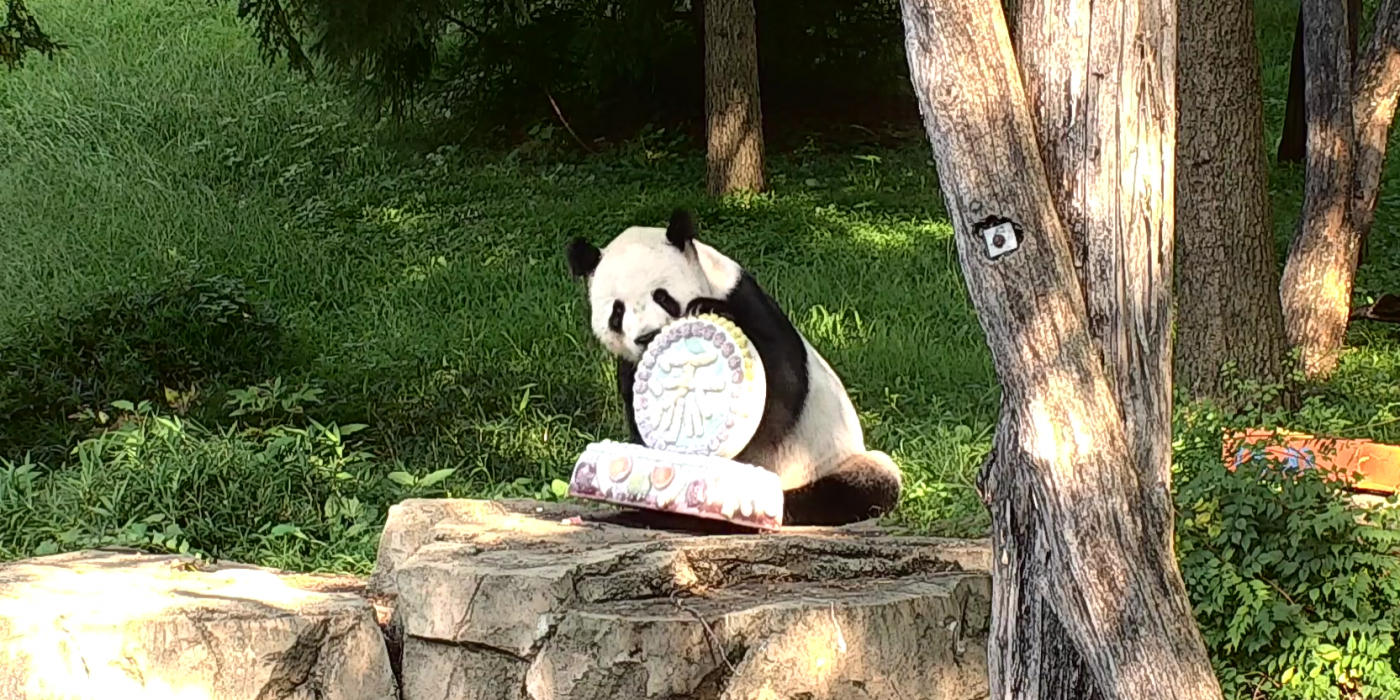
x: 1295, y: 595
x: 162, y: 341
x: 302, y: 498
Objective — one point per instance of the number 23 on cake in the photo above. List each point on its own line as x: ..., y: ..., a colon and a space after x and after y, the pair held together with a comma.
x: 698, y: 397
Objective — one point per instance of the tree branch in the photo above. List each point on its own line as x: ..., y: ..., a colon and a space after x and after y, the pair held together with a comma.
x: 21, y: 34
x: 565, y: 122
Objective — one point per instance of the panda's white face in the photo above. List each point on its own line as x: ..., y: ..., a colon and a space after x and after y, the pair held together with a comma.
x: 645, y: 278
x: 642, y: 282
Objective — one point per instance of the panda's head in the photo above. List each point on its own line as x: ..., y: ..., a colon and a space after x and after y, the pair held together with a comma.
x: 644, y: 278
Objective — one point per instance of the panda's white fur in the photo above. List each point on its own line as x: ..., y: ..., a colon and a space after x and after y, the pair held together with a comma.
x: 811, y: 435
x: 638, y: 261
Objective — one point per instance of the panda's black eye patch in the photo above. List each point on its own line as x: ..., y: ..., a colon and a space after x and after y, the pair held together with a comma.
x: 615, y: 320
x: 667, y: 302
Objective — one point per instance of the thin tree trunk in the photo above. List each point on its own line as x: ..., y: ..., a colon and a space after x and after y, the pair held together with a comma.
x: 1292, y: 143
x: 1225, y: 252
x: 1316, y: 287
x: 1343, y: 182
x: 1076, y: 526
x: 734, y: 114
x: 1377, y: 84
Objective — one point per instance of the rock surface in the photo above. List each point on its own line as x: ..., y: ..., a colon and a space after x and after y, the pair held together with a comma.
x: 105, y: 624
x: 520, y: 600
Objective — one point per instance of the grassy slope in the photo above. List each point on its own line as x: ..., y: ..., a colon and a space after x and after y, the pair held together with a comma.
x: 425, y: 290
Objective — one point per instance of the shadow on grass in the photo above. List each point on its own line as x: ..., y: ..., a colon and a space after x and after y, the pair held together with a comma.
x: 184, y: 335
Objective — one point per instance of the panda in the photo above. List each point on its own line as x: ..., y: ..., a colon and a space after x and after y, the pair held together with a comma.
x: 809, y: 435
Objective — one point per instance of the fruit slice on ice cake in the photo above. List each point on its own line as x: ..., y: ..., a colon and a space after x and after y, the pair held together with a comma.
x: 699, y: 393
x: 697, y: 485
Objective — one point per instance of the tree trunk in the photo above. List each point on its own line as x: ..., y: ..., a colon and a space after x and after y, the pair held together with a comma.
x: 734, y: 115
x: 1377, y: 82
x: 1317, y: 279
x: 1292, y: 143
x: 1106, y: 114
x: 1077, y: 526
x: 1107, y: 143
x: 1224, y: 231
x: 1352, y: 127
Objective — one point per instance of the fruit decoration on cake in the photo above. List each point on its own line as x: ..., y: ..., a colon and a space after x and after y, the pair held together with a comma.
x: 699, y: 393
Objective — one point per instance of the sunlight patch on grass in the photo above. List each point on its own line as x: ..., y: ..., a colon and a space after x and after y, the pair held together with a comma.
x: 882, y: 237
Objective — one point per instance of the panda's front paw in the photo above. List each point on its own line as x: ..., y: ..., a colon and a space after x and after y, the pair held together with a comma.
x: 706, y: 305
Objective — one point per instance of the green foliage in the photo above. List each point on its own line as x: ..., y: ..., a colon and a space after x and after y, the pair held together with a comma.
x: 501, y: 64
x: 158, y: 341
x: 1296, y: 596
x: 154, y: 481
x: 21, y: 34
x: 417, y: 291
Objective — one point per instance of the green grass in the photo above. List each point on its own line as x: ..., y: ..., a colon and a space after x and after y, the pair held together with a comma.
x: 175, y: 216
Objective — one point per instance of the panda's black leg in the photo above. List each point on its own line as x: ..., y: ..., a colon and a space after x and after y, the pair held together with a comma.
x: 865, y: 486
x: 626, y: 375
x: 708, y: 305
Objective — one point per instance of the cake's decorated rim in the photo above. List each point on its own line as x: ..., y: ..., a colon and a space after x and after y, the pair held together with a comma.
x: 699, y: 388
x: 697, y: 485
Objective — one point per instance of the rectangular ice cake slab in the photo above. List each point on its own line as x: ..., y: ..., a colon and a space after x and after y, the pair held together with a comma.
x: 702, y: 486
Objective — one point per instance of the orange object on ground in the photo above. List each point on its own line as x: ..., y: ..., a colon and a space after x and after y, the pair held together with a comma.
x: 1378, y: 463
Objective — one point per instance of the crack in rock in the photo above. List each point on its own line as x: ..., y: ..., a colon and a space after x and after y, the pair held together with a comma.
x: 295, y: 667
x: 608, y: 612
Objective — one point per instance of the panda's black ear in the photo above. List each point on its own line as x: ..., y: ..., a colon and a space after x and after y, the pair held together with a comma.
x: 583, y: 257
x: 681, y: 230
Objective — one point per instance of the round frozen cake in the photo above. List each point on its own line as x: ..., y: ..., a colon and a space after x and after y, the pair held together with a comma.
x: 699, y: 388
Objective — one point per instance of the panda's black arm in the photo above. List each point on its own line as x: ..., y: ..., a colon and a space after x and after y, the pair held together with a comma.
x: 749, y: 307
x: 709, y: 305
x: 626, y: 375
x: 781, y: 347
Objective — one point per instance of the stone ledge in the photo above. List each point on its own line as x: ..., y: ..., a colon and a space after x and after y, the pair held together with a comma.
x: 118, y: 623
x: 517, y: 600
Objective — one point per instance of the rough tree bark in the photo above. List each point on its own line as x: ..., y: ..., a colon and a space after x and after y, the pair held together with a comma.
x: 1349, y: 117
x: 734, y: 114
x: 1100, y: 82
x: 1225, y: 252
x: 1103, y: 111
x: 1377, y: 83
x: 1080, y: 532
x: 1292, y: 143
x: 1316, y: 287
